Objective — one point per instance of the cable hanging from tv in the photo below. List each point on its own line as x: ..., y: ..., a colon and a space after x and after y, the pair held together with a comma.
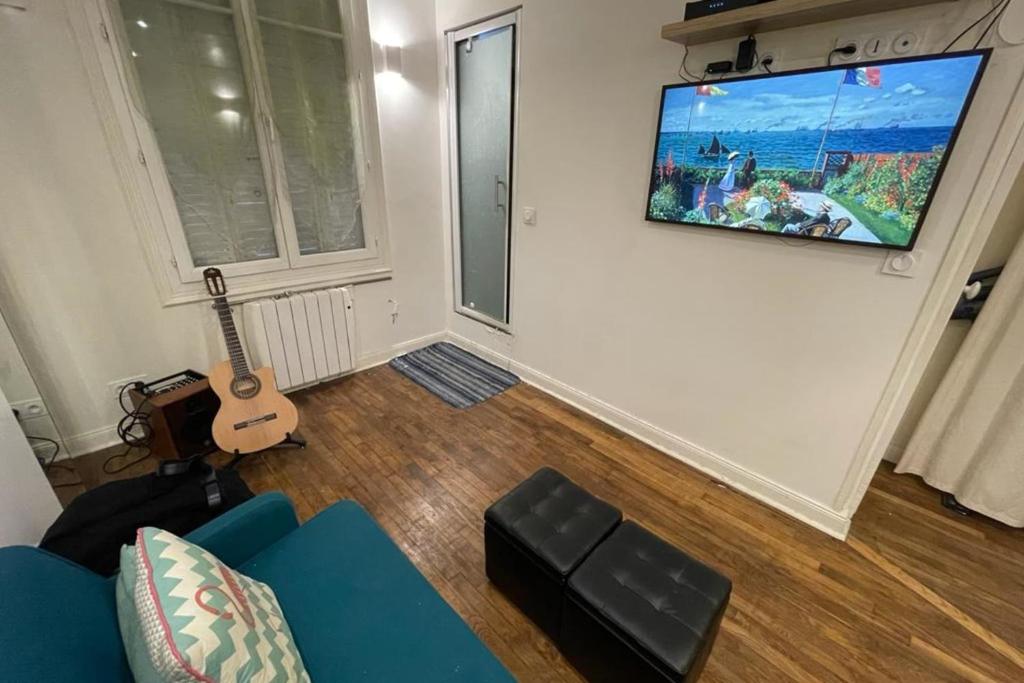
x: 998, y: 9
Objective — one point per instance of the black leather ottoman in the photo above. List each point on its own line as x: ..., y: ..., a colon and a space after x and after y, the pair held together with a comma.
x: 641, y: 610
x: 536, y: 535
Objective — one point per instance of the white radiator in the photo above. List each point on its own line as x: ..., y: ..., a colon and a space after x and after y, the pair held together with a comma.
x: 306, y: 338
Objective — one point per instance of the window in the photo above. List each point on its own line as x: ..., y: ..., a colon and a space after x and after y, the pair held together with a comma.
x: 257, y: 136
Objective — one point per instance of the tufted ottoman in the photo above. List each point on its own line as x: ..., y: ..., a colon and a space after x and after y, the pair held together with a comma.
x: 536, y: 535
x: 640, y: 610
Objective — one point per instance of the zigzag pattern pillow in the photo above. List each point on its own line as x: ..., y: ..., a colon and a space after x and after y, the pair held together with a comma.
x: 186, y: 617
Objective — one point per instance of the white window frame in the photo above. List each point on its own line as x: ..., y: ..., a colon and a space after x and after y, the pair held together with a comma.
x: 97, y: 24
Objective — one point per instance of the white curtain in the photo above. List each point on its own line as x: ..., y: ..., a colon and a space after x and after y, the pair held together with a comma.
x: 970, y: 441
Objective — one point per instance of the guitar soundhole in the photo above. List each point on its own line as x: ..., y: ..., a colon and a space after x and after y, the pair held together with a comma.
x: 245, y: 387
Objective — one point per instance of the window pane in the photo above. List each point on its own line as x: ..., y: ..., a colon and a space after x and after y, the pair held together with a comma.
x: 314, y: 116
x: 191, y: 77
x: 321, y: 14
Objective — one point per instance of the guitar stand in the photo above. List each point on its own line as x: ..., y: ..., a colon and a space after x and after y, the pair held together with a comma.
x: 290, y: 441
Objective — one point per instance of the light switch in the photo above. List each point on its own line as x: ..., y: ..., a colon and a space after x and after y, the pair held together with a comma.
x: 529, y: 215
x: 901, y: 264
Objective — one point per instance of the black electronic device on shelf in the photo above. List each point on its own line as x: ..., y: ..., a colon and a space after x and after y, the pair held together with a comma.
x: 705, y: 8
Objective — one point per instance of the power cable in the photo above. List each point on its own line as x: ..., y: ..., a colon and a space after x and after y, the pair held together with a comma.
x: 689, y: 77
x: 980, y: 19
x: 134, y: 430
x: 991, y: 24
x: 51, y: 464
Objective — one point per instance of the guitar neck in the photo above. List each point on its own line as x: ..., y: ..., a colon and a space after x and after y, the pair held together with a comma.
x: 227, y: 324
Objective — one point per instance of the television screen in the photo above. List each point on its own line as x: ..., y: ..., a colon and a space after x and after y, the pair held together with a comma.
x: 848, y: 154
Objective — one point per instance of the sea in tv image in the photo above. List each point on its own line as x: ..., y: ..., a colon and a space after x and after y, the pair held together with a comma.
x: 845, y: 154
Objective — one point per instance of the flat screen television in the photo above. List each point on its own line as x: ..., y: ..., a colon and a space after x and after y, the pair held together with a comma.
x: 849, y: 154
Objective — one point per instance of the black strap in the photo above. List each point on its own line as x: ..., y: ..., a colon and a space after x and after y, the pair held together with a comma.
x: 212, y: 487
x: 209, y: 482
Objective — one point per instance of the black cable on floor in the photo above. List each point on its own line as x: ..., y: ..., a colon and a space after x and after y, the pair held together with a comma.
x: 134, y: 430
x: 51, y: 464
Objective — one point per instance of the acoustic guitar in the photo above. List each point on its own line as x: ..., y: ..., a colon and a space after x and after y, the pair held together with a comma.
x: 253, y: 414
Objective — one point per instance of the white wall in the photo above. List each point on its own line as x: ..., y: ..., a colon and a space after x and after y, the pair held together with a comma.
x: 760, y: 360
x: 15, y: 379
x: 28, y: 505
x: 17, y: 383
x: 74, y: 284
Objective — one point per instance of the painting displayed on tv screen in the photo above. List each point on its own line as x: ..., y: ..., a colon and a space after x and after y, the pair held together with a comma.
x: 849, y: 154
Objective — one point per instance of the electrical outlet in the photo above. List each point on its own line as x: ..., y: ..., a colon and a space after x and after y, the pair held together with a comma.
x: 772, y: 56
x: 33, y: 407
x: 840, y: 58
x: 115, y: 387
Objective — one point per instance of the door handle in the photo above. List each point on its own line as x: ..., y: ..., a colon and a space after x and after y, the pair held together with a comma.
x: 498, y: 184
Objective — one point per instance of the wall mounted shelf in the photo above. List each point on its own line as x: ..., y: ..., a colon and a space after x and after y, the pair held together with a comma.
x: 777, y: 15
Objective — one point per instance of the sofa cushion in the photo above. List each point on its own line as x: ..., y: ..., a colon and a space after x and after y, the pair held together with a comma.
x: 58, y: 621
x: 360, y: 610
x: 187, y: 617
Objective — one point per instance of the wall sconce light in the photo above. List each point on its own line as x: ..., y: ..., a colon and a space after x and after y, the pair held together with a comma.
x: 390, y: 59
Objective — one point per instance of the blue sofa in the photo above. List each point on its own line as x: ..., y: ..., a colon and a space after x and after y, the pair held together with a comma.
x: 359, y: 609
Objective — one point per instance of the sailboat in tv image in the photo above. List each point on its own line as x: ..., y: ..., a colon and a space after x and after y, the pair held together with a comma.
x: 715, y: 150
x: 849, y: 154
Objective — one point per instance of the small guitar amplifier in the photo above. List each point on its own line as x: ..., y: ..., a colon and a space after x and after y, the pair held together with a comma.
x: 705, y: 8
x: 181, y: 409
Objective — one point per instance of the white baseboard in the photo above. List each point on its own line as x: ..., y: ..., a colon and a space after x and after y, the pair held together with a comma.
x: 794, y: 504
x: 90, y: 442
x: 372, y: 360
x: 98, y: 439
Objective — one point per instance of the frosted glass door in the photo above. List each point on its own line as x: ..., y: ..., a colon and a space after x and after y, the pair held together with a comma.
x: 483, y: 107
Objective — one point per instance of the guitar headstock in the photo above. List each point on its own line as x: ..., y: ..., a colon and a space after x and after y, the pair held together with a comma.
x: 215, y: 282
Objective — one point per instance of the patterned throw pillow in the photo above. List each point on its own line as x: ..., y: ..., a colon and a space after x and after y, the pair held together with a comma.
x: 186, y: 617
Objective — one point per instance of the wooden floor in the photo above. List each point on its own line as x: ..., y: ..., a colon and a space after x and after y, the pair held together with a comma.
x: 917, y: 595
